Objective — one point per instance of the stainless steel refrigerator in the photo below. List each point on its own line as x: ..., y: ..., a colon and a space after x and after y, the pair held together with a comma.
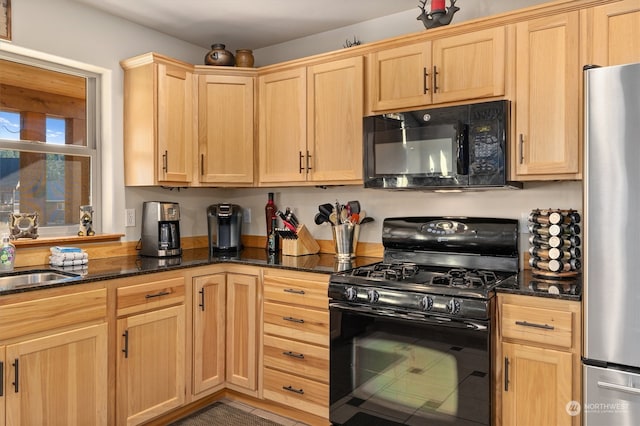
x: 611, y: 361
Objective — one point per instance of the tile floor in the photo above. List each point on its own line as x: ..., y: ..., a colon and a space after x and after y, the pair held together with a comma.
x: 284, y: 421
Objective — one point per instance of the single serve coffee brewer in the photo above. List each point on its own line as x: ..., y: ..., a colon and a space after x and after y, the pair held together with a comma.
x: 160, y: 229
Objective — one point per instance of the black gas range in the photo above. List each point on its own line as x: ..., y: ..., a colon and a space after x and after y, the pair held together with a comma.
x: 435, y: 265
x: 411, y: 335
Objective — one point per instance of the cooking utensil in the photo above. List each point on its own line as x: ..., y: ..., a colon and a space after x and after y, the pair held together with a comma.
x: 354, y: 206
x: 366, y: 220
x: 319, y: 219
x: 325, y: 209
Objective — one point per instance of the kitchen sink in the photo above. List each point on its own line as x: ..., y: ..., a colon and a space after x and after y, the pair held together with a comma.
x: 35, y: 278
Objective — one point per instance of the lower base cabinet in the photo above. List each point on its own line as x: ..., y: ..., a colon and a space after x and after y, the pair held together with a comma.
x: 540, y: 345
x: 296, y: 341
x: 58, y: 380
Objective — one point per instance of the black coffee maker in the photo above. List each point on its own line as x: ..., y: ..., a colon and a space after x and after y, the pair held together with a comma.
x: 160, y: 229
x: 225, y: 227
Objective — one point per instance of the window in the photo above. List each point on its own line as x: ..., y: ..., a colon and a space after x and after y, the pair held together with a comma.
x: 48, y: 142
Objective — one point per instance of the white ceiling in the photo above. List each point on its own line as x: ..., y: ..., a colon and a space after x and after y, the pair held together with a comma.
x: 248, y: 24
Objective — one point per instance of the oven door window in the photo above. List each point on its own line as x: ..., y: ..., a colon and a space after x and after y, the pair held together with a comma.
x: 389, y: 371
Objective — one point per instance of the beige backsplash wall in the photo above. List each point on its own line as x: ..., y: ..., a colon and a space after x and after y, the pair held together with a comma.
x: 515, y: 204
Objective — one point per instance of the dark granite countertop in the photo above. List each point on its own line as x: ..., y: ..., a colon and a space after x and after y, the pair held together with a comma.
x: 125, y: 266
x: 556, y: 288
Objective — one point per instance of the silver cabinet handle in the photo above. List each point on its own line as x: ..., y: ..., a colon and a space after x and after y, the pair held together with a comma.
x: 293, y: 354
x: 160, y: 294
x: 292, y: 319
x: 534, y: 325
x: 621, y: 388
x: 293, y: 290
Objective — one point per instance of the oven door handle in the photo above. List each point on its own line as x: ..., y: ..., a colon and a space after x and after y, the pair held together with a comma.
x: 408, y: 316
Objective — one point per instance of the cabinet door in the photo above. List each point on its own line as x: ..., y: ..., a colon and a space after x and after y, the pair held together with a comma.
x: 616, y: 33
x: 208, y: 334
x: 548, y: 98
x: 58, y: 380
x: 176, y: 135
x: 150, y: 364
x: 334, y: 121
x: 242, y: 330
x: 225, y: 129
x: 400, y: 77
x: 283, y: 127
x: 454, y: 58
x: 536, y: 386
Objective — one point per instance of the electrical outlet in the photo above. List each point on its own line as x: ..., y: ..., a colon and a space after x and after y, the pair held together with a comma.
x: 246, y: 215
x: 129, y: 217
x: 524, y: 222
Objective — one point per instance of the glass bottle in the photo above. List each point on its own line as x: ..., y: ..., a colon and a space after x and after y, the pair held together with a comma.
x: 270, y: 214
x: 7, y: 254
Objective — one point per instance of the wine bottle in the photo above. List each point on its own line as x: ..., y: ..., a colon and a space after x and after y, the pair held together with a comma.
x: 269, y: 215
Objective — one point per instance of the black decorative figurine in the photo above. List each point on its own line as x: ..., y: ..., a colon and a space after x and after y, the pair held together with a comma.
x: 438, y: 16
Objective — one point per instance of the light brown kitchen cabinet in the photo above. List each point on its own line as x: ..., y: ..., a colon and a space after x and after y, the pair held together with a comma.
x: 540, y: 350
x: 546, y: 142
x: 310, y: 125
x: 241, y: 330
x: 616, y: 33
x: 150, y: 364
x: 54, y: 358
x: 296, y: 340
x: 159, y: 121
x: 226, y: 319
x: 209, y: 313
x: 225, y: 130
x: 438, y: 71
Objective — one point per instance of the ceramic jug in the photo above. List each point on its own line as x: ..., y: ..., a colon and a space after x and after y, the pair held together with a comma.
x: 218, y: 55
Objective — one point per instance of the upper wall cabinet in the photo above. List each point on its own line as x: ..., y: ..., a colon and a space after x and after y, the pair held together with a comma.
x: 310, y: 124
x: 225, y: 130
x: 547, y: 101
x: 159, y: 125
x: 616, y: 33
x: 466, y: 66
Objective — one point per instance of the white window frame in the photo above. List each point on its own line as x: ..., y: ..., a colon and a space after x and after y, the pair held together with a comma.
x: 98, y: 111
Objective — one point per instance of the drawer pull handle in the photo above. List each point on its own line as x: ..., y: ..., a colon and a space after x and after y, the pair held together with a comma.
x: 1, y: 378
x: 292, y: 319
x: 201, y: 304
x: 293, y: 290
x: 162, y: 293
x: 294, y: 390
x: 293, y: 354
x: 532, y: 324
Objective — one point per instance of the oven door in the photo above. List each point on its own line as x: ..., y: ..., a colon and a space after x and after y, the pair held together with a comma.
x: 388, y: 368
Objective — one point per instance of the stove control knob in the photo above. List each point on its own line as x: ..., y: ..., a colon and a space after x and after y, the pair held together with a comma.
x: 453, y: 306
x: 350, y: 293
x: 426, y: 303
x: 373, y: 296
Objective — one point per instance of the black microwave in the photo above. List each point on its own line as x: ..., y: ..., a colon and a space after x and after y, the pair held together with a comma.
x: 458, y: 147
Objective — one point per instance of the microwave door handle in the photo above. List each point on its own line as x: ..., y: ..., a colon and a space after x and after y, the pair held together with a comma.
x: 462, y: 150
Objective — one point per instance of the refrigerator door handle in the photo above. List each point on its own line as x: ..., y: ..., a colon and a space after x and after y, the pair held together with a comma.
x: 621, y: 388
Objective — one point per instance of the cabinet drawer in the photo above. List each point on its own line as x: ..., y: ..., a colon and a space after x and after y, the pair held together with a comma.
x: 540, y: 325
x: 298, y: 292
x: 20, y: 319
x: 153, y: 295
x: 306, y: 360
x: 293, y: 391
x: 308, y: 325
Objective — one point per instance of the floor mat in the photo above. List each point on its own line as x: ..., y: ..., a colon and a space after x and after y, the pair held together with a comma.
x: 223, y: 414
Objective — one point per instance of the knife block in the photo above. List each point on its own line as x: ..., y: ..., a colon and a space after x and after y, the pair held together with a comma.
x: 302, y: 245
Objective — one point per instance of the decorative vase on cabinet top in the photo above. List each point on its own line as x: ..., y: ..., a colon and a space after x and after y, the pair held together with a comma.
x: 218, y: 55
x: 244, y: 58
